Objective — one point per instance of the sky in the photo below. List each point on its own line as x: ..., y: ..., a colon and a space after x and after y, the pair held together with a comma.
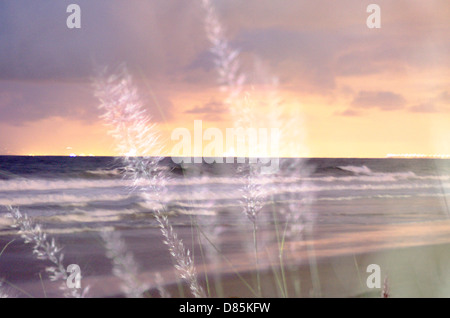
x: 346, y: 90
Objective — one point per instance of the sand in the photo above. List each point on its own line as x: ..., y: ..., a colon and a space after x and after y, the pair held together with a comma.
x: 415, y: 258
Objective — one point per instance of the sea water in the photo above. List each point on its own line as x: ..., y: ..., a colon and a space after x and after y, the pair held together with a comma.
x: 333, y: 202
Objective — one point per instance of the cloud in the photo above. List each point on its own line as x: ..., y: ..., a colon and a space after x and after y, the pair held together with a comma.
x: 444, y: 97
x: 368, y: 61
x: 383, y: 100
x: 22, y: 102
x: 299, y: 56
x: 424, y: 108
x: 348, y: 113
x: 27, y: 101
x: 210, y: 111
x: 156, y: 36
x: 308, y: 43
x: 438, y: 104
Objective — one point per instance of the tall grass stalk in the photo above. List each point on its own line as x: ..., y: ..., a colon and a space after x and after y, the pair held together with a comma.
x: 181, y: 255
x: 194, y: 226
x: 163, y: 293
x: 232, y: 81
x: 230, y: 77
x: 281, y: 243
x: 385, y: 292
x: 138, y: 142
x: 3, y: 293
x: 252, y: 203
x: 44, y: 249
x: 124, y: 264
x: 251, y: 289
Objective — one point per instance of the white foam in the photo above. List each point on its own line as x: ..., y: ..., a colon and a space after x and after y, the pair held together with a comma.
x: 46, y: 184
x: 356, y: 169
x: 106, y: 172
x: 59, y: 199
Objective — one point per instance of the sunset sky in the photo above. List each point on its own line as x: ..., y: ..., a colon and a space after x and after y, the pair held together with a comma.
x: 355, y: 91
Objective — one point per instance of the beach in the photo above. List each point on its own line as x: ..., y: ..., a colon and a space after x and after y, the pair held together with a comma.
x: 414, y: 258
x: 318, y: 229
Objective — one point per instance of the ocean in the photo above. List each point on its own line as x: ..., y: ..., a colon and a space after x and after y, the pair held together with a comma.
x: 339, y: 206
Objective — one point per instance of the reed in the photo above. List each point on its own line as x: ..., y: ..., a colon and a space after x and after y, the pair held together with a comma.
x: 3, y: 292
x: 246, y: 112
x: 125, y: 266
x: 45, y: 249
x: 138, y: 143
x: 385, y: 293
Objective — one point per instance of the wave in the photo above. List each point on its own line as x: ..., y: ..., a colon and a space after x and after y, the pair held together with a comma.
x: 383, y: 196
x: 364, y: 170
x: 104, y: 173
x: 362, y: 187
x: 380, y: 177
x: 200, y: 184
x: 357, y: 169
x: 59, y: 184
x: 61, y: 199
x: 365, y: 174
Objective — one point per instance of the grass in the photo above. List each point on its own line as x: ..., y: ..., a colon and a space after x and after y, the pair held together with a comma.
x: 44, y: 249
x: 138, y: 142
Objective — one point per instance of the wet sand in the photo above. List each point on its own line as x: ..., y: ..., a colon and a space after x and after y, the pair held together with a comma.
x: 415, y: 268
x: 332, y: 262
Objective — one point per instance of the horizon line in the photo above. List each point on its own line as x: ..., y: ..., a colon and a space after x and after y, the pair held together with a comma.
x: 388, y: 156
